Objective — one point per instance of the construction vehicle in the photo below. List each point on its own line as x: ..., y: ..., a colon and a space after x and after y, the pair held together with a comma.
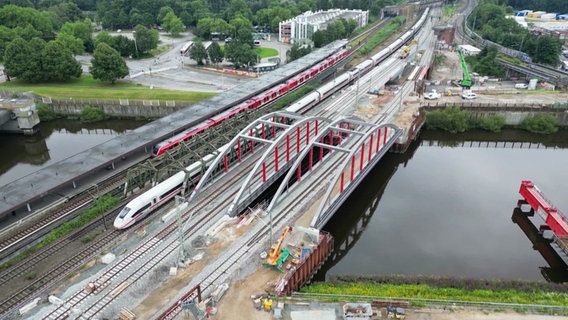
x: 405, y: 52
x: 278, y: 255
x: 395, y: 313
x: 466, y: 81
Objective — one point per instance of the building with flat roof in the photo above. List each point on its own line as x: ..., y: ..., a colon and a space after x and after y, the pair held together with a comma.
x: 469, y: 50
x: 303, y: 26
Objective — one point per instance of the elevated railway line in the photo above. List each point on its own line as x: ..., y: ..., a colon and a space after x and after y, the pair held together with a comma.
x: 17, y: 238
x: 103, y: 302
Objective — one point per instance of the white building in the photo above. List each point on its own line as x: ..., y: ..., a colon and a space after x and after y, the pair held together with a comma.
x: 469, y: 50
x: 304, y: 25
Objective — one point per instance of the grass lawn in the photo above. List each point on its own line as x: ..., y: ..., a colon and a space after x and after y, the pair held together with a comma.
x: 266, y: 52
x: 90, y: 89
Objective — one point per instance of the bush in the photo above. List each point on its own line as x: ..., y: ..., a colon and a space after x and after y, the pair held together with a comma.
x: 90, y: 115
x: 451, y: 119
x: 493, y: 124
x: 45, y: 113
x: 540, y: 123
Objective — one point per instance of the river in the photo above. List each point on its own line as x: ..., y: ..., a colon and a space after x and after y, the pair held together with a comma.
x: 443, y: 208
x: 55, y: 141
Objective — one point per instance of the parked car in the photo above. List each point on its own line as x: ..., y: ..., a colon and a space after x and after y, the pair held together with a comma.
x: 469, y: 95
x: 521, y: 86
x: 432, y: 95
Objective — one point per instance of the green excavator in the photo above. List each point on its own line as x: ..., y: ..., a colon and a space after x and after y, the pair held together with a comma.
x: 466, y: 81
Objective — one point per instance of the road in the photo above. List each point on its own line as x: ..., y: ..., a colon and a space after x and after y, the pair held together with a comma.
x: 171, y: 71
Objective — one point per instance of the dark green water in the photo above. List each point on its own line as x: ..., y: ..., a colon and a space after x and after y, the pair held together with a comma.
x: 446, y: 208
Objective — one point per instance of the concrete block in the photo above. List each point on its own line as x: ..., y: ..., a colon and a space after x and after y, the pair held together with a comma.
x: 108, y: 258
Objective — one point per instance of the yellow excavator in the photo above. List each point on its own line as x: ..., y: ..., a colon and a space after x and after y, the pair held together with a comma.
x: 278, y: 255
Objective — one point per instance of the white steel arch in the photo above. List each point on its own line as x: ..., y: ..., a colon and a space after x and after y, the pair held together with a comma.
x: 334, y: 126
x: 245, y: 134
x: 319, y: 219
x: 273, y: 150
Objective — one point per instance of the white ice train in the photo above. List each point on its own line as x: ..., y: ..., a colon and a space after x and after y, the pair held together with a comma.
x: 160, y: 194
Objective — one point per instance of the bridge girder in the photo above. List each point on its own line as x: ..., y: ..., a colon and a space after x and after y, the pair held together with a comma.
x: 245, y: 134
x: 335, y: 126
x: 374, y: 152
x: 273, y: 149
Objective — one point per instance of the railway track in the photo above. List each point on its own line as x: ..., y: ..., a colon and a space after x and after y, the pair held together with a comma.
x: 23, y: 237
x: 14, y: 242
x: 245, y: 247
x: 150, y: 247
x: 158, y: 248
x: 103, y: 242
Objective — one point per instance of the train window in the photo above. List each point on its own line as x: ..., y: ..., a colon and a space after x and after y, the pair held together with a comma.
x: 156, y: 149
x: 141, y: 210
x: 124, y: 212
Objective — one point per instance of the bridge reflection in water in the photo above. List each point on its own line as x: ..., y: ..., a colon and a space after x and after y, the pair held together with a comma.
x: 557, y: 270
x: 347, y: 225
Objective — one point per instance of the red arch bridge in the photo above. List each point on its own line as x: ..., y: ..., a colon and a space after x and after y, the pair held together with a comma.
x: 296, y: 148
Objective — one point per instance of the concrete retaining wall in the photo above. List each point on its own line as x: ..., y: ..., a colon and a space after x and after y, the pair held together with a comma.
x: 130, y: 109
x: 514, y: 114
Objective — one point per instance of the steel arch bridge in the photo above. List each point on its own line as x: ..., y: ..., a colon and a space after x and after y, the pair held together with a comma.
x: 359, y: 146
x: 285, y: 131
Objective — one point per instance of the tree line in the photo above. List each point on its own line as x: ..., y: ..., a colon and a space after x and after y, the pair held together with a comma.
x: 68, y: 25
x: 489, y: 21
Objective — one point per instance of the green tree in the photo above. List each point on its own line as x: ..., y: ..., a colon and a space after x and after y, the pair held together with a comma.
x: 19, y: 62
x: 215, y: 53
x: 58, y: 63
x: 319, y: 39
x: 124, y: 45
x: 107, y: 64
x: 297, y: 52
x: 25, y: 20
x: 240, y: 54
x: 238, y: 8
x: 172, y: 24
x: 164, y: 11
x: 540, y: 123
x: 70, y: 42
x: 82, y: 30
x: 198, y: 53
x: 146, y: 39
x: 241, y: 30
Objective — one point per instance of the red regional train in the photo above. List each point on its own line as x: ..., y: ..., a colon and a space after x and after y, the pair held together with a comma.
x: 253, y: 103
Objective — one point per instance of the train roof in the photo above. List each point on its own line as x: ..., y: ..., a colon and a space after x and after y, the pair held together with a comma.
x: 73, y: 170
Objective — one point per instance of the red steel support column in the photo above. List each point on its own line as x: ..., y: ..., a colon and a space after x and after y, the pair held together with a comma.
x: 299, y: 174
x: 352, y: 167
x: 341, y: 183
x: 262, y: 131
x: 298, y: 139
x: 362, y: 156
x: 317, y: 127
x: 311, y: 159
x: 276, y: 158
x: 225, y: 163
x: 378, y: 139
x: 370, y: 148
x: 307, y: 133
x: 263, y: 171
x: 287, y: 148
x: 321, y: 150
x: 385, y: 137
